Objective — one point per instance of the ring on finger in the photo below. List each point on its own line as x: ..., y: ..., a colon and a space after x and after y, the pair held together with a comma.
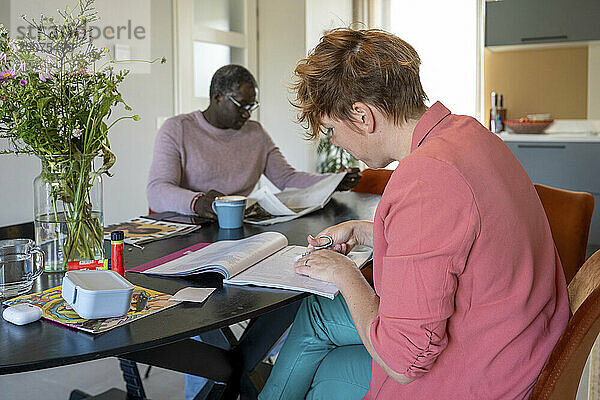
x: 306, y: 262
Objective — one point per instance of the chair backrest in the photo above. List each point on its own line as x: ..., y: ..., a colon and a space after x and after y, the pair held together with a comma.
x: 562, y: 371
x: 569, y: 215
x: 373, y: 181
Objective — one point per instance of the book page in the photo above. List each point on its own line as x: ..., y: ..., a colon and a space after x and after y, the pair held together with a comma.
x: 228, y: 257
x: 277, y: 271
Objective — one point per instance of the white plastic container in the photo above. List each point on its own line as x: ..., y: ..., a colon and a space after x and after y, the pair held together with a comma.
x: 97, y: 293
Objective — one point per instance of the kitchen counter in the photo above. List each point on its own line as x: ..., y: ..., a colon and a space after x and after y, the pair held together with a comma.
x: 544, y: 137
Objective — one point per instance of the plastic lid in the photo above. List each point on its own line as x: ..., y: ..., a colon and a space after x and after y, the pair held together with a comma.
x: 117, y: 236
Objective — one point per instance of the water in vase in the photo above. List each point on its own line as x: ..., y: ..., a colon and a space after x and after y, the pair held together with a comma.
x: 51, y: 235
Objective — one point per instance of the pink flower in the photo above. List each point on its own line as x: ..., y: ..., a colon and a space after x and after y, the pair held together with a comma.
x: 44, y: 76
x: 23, y: 82
x: 7, y: 74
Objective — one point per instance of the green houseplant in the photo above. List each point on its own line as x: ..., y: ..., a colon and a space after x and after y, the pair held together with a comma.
x: 333, y: 158
x: 55, y: 103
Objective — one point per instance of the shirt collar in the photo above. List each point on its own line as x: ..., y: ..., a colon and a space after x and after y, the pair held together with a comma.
x: 429, y: 120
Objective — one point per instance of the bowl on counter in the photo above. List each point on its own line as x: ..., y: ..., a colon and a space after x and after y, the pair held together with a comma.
x: 527, y: 126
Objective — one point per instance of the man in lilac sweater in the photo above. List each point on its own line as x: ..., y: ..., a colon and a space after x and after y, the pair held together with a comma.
x: 205, y: 154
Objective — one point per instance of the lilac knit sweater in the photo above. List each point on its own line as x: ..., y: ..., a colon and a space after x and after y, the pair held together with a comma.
x: 191, y: 156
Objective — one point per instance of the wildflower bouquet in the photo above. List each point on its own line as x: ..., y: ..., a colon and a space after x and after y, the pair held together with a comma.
x: 55, y: 104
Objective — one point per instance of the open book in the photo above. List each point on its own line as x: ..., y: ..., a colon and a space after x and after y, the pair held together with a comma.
x: 262, y: 260
x: 290, y: 204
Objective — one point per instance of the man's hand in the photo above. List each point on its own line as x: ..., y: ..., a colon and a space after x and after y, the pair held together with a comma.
x: 203, y: 204
x: 350, y: 180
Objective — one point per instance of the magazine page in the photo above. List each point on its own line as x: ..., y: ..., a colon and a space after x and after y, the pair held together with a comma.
x: 278, y: 271
x: 227, y: 257
x: 144, y: 230
x: 290, y: 204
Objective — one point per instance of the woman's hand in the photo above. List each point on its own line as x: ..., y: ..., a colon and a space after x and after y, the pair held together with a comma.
x: 345, y: 236
x: 326, y: 265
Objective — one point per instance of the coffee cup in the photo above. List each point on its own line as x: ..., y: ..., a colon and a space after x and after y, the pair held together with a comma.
x: 21, y: 261
x: 230, y: 211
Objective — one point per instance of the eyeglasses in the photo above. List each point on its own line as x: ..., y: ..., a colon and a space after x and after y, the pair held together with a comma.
x: 247, y: 107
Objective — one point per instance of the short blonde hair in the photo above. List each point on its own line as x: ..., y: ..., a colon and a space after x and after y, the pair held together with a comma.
x: 371, y: 66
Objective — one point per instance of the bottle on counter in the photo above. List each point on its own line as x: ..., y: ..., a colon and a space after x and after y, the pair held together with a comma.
x: 497, y: 113
x: 494, y: 114
x: 500, y: 114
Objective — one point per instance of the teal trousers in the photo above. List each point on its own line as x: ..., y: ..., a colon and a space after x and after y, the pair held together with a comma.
x: 323, y: 356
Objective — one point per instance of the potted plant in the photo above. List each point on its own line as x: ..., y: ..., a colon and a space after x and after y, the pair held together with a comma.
x: 56, y: 99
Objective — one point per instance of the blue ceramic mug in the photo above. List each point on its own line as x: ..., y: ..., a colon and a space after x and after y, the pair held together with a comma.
x: 230, y: 211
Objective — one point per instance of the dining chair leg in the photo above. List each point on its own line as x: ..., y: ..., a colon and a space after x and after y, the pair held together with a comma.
x: 133, y: 380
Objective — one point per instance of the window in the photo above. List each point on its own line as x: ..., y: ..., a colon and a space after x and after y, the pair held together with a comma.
x: 448, y: 36
x: 208, y: 35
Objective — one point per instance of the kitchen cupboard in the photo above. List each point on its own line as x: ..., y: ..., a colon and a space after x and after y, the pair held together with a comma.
x: 565, y: 165
x: 522, y: 22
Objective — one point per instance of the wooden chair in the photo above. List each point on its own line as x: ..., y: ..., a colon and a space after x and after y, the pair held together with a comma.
x: 562, y: 371
x: 569, y: 215
x: 373, y: 181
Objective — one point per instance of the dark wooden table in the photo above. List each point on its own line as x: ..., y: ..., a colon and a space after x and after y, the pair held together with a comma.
x: 43, y: 344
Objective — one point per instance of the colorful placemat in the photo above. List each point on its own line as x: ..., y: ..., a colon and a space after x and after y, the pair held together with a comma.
x: 56, y: 309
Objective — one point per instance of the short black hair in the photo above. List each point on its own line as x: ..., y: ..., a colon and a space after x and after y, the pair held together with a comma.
x: 227, y: 79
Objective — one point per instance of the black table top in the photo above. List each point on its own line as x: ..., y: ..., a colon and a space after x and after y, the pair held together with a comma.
x: 44, y: 344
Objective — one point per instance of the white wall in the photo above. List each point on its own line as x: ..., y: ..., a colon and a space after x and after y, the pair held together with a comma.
x: 287, y: 29
x: 281, y: 43
x: 150, y: 95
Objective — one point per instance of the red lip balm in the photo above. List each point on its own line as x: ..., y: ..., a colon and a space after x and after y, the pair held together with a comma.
x: 117, y: 242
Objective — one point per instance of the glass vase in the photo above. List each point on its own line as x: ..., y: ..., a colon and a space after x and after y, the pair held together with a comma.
x: 68, y: 213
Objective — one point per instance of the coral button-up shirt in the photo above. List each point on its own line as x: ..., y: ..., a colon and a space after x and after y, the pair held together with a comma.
x: 473, y: 296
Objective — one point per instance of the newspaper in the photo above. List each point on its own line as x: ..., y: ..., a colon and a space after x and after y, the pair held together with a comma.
x: 142, y: 230
x: 290, y: 204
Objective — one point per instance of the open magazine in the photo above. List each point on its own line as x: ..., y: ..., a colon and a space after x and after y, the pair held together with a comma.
x: 290, y: 204
x: 142, y: 230
x: 262, y: 260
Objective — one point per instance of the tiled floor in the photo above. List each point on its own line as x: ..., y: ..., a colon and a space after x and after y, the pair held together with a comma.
x: 92, y: 377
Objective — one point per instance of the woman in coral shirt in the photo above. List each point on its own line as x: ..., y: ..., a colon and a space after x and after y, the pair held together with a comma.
x: 469, y: 296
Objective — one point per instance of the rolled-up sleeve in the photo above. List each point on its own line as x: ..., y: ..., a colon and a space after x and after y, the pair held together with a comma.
x: 429, y: 225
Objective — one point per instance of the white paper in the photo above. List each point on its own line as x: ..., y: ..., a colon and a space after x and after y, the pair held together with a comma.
x: 291, y: 204
x: 193, y: 294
